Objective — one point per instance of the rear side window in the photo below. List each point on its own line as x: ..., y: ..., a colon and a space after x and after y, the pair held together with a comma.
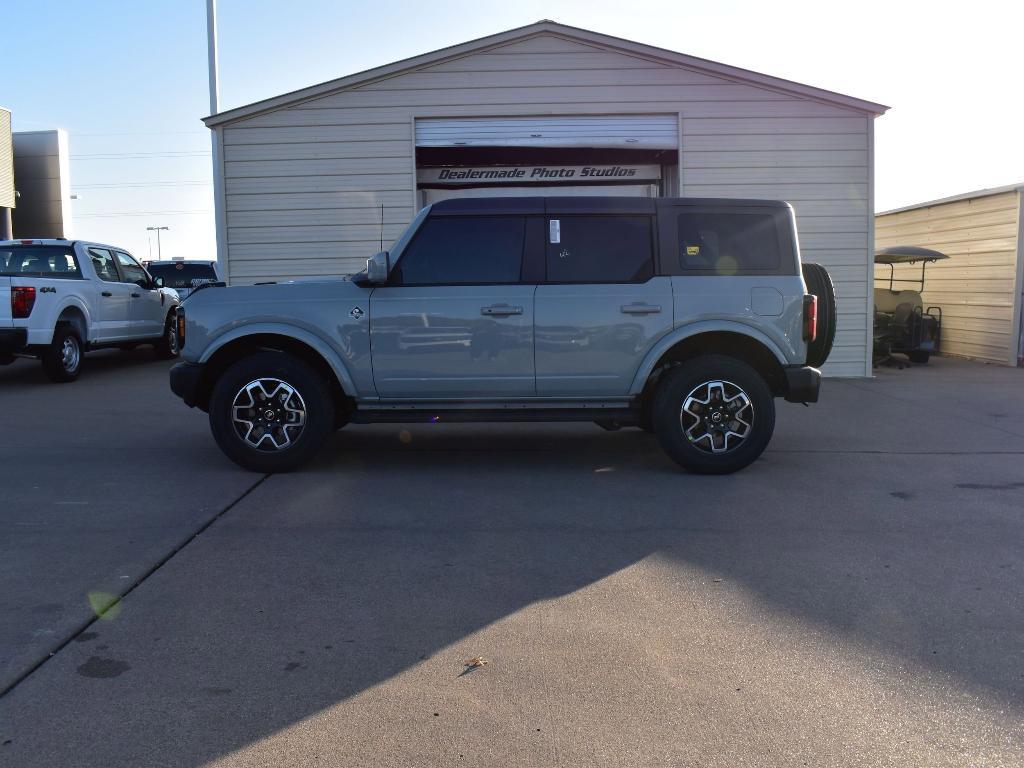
x: 464, y: 250
x: 103, y: 263
x: 39, y: 261
x: 600, y: 249
x: 728, y: 243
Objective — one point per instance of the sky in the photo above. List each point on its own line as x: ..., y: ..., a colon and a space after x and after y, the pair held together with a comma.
x: 128, y: 81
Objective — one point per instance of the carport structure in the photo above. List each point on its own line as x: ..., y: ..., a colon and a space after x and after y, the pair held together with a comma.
x: 980, y: 287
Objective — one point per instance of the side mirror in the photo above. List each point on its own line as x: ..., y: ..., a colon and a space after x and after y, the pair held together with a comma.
x: 377, y: 268
x: 158, y: 282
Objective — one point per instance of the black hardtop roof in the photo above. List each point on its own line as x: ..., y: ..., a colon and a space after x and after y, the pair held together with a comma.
x: 564, y: 205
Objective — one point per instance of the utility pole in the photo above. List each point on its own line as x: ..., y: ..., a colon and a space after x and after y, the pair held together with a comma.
x: 215, y: 135
x: 159, y: 253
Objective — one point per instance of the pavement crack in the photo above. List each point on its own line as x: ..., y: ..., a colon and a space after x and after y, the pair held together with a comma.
x: 117, y: 600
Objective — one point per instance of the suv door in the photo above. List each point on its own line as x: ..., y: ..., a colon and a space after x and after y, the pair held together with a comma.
x: 456, y: 317
x: 147, y: 311
x: 113, y: 297
x: 602, y: 306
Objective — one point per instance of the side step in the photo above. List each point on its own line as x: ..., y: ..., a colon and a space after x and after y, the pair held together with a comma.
x: 620, y: 416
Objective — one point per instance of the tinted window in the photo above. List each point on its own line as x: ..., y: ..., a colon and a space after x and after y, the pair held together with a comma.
x: 132, y: 270
x: 42, y: 260
x: 602, y: 249
x: 103, y: 263
x: 183, y: 274
x: 728, y: 243
x: 453, y: 250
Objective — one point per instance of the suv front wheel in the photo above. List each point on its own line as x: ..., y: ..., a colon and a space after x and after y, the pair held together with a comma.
x: 713, y: 414
x: 271, y: 412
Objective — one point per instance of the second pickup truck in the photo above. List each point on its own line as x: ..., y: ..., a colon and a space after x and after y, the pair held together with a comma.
x: 60, y: 298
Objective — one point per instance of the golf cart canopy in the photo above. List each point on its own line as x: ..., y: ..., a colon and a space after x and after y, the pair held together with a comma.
x: 907, y: 254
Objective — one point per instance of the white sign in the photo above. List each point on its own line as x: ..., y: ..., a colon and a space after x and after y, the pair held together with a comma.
x: 537, y: 174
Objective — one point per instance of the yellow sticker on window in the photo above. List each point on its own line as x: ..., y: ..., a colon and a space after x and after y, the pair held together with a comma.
x: 693, y: 250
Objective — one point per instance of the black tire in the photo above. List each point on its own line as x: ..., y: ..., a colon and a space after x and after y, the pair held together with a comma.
x: 300, y: 445
x: 167, y: 347
x: 62, y: 360
x: 697, y: 455
x: 819, y: 283
x: 919, y: 357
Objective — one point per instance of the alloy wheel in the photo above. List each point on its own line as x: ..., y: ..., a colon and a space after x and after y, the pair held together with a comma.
x: 268, y: 414
x: 717, y: 416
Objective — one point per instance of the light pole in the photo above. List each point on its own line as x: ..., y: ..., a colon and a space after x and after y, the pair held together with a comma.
x: 157, y: 230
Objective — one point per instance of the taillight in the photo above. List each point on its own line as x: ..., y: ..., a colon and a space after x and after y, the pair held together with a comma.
x: 810, y: 317
x: 22, y: 301
x: 181, y: 329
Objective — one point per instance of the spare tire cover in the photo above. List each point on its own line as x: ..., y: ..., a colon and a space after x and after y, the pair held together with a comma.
x: 819, y: 283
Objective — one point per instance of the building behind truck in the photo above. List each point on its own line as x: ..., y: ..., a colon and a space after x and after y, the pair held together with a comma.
x: 310, y: 182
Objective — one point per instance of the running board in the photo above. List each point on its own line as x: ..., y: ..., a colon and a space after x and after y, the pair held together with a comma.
x: 394, y: 415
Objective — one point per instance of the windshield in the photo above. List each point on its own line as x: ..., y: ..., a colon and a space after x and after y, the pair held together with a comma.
x: 184, y: 274
x: 39, y: 261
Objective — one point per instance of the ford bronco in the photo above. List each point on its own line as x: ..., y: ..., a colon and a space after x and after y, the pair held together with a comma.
x: 685, y: 317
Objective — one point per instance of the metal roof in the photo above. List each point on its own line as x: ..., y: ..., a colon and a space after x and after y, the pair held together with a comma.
x: 584, y: 36
x: 956, y: 198
x: 907, y: 254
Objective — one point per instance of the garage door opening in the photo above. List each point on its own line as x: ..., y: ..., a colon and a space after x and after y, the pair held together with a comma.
x: 632, y: 156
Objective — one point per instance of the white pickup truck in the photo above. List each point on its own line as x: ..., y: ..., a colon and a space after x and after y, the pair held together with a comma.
x: 61, y: 298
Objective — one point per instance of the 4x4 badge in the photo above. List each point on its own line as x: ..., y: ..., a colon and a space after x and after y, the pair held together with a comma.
x: 356, y: 312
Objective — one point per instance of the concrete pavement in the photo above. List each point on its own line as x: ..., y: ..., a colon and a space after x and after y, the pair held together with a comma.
x: 853, y: 598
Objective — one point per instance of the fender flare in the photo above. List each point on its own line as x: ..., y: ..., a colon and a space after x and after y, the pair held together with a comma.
x: 312, y: 340
x: 76, y: 302
x: 682, y: 333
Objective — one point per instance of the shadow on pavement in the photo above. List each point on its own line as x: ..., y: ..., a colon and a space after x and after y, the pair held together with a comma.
x: 396, y: 548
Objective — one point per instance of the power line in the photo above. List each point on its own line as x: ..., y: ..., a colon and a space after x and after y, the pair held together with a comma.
x: 142, y: 213
x: 140, y: 155
x: 199, y: 132
x: 137, y: 184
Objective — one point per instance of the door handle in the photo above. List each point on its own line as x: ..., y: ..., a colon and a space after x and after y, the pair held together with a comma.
x: 640, y: 309
x: 136, y: 295
x: 106, y: 293
x: 500, y: 310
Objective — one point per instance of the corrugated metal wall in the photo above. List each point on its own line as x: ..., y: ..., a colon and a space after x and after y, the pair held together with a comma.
x: 304, y: 184
x: 6, y: 161
x: 977, y: 286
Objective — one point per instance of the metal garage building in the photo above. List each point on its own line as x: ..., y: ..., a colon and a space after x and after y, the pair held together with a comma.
x: 543, y: 109
x: 980, y: 287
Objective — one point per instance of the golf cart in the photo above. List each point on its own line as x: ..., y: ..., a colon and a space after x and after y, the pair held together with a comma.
x: 902, y: 323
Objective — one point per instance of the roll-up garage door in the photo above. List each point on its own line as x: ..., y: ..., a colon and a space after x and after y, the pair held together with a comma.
x: 603, y: 131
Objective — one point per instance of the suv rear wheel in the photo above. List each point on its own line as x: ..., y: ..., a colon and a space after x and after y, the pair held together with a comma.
x: 713, y: 414
x: 271, y: 412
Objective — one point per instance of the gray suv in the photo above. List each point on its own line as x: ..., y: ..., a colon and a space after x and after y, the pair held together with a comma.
x: 684, y: 317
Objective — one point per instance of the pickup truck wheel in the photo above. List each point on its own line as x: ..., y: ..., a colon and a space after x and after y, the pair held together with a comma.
x: 271, y: 412
x: 167, y: 346
x: 714, y: 414
x: 62, y: 360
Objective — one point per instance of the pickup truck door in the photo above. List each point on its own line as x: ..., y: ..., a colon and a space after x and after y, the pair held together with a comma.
x: 456, y: 318
x: 602, y: 306
x: 112, y: 297
x: 147, y: 313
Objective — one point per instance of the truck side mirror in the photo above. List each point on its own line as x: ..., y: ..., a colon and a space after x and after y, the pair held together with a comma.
x: 158, y: 282
x: 377, y: 268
